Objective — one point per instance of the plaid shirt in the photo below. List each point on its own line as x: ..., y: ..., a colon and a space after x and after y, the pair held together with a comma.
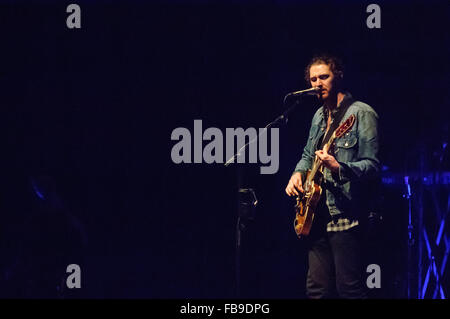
x: 341, y: 224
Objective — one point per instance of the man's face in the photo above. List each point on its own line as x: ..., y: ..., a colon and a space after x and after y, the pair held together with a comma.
x: 321, y: 76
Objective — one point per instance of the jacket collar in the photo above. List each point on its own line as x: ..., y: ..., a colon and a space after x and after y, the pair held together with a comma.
x: 347, y: 96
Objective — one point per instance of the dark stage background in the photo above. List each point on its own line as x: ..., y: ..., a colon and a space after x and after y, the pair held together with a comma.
x: 87, y: 116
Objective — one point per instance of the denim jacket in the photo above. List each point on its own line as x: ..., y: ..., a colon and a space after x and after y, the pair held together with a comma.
x: 347, y: 192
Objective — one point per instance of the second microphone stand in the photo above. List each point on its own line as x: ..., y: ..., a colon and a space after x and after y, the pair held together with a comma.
x: 247, y: 200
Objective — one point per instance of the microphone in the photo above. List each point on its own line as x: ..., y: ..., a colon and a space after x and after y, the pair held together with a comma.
x: 310, y: 91
x: 284, y: 117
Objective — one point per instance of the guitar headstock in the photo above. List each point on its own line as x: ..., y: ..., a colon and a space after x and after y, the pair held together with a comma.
x: 345, y: 127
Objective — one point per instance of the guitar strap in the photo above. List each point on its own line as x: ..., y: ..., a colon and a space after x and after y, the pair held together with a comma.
x: 346, y: 102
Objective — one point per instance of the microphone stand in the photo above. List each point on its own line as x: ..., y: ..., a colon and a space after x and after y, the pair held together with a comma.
x: 247, y: 200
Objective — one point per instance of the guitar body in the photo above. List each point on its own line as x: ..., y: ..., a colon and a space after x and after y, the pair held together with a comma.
x: 306, y: 207
x: 307, y: 203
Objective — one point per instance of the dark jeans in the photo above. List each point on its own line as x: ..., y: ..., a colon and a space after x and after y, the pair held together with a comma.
x: 335, y: 263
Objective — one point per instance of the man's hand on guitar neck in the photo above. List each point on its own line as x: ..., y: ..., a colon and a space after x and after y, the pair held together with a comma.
x: 295, y: 185
x: 328, y: 161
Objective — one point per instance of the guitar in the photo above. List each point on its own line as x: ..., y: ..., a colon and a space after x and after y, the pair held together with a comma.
x: 307, y: 202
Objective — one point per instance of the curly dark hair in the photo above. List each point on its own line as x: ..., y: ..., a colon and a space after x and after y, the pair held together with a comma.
x: 335, y: 64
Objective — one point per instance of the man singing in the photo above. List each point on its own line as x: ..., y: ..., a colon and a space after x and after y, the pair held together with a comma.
x: 349, y: 170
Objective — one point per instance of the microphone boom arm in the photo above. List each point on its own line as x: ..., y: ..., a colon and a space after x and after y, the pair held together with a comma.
x: 283, y: 118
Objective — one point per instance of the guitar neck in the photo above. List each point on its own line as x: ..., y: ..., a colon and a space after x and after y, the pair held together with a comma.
x: 343, y: 128
x: 330, y: 141
x: 317, y: 164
